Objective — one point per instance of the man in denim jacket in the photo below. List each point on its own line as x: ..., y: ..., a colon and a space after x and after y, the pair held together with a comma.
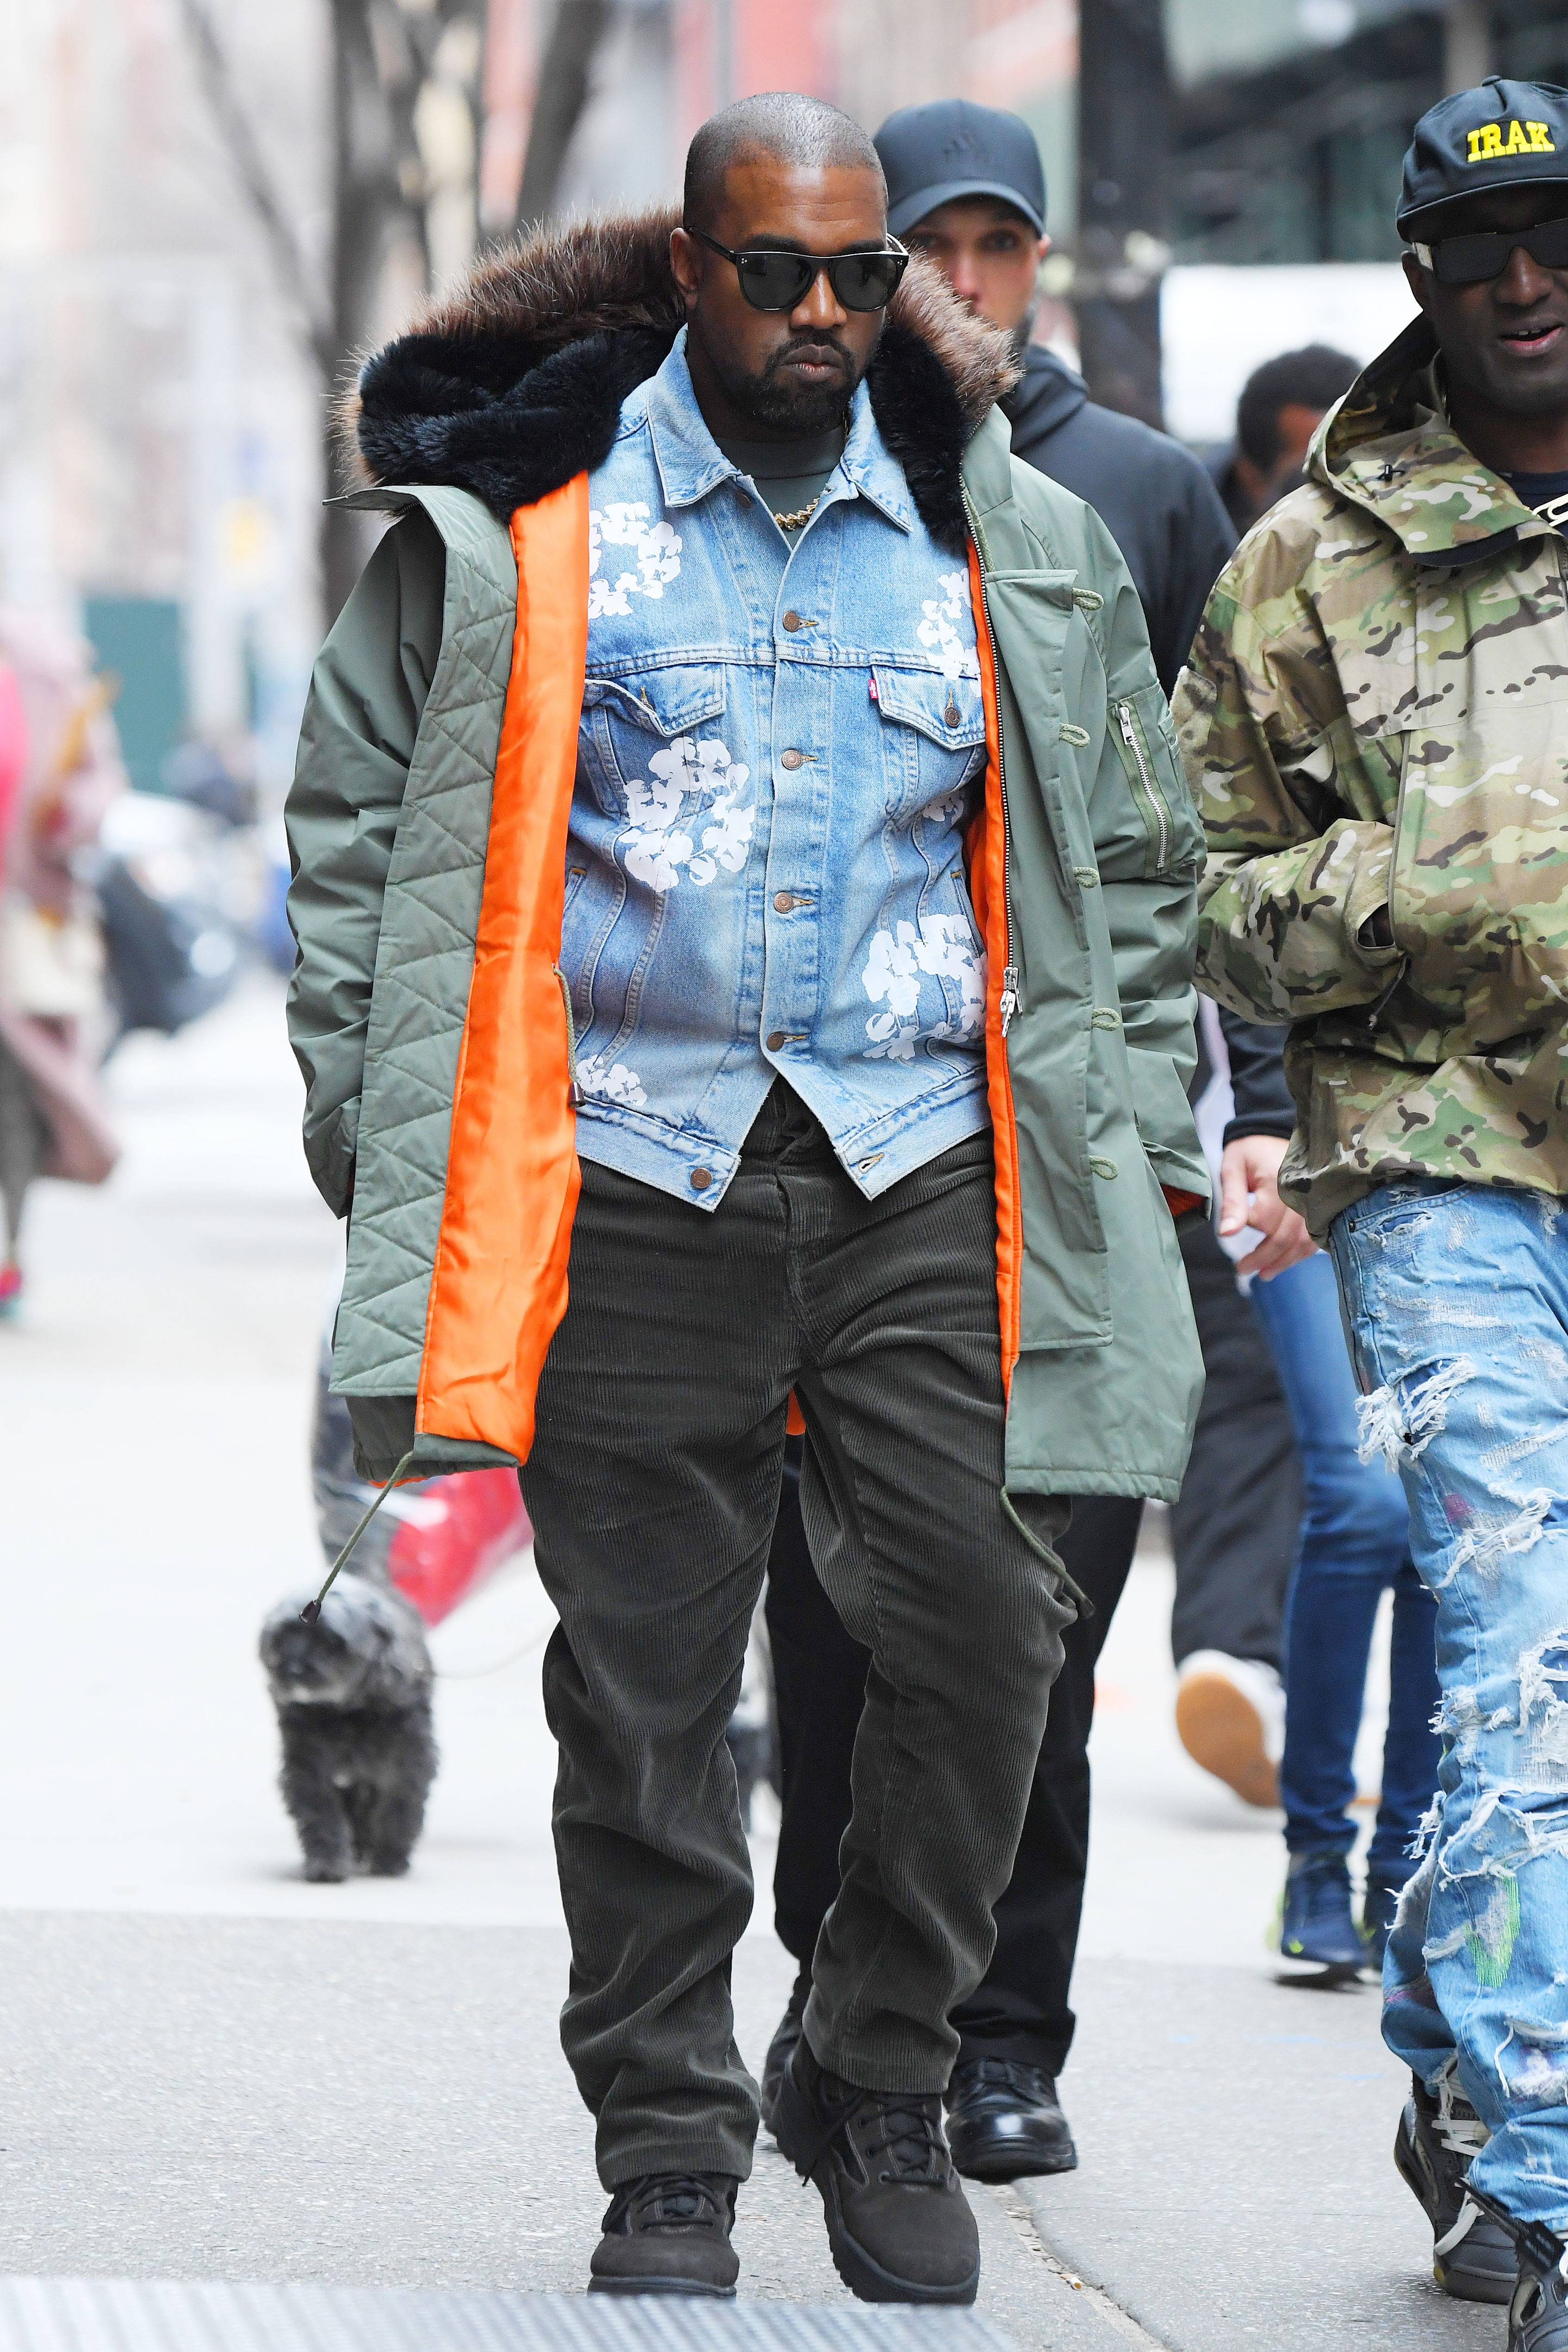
x: 743, y: 880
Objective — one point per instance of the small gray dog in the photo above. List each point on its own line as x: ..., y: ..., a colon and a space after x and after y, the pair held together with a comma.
x: 352, y: 1694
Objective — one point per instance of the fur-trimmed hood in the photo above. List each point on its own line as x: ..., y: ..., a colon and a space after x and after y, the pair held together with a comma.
x: 513, y: 385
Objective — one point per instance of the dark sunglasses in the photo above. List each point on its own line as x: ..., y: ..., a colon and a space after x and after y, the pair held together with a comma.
x: 772, y: 280
x: 1465, y: 260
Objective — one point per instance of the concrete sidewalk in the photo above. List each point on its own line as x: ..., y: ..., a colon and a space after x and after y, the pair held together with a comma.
x: 210, y: 2070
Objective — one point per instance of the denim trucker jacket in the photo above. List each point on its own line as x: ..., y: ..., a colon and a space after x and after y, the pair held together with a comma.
x: 779, y: 749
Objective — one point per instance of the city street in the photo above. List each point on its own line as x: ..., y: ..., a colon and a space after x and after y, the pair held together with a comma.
x: 213, y: 2071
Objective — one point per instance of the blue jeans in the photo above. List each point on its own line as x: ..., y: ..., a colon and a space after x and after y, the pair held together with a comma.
x: 1457, y: 1301
x: 1355, y: 1541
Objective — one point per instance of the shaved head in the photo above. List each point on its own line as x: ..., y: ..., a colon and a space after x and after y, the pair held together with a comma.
x: 804, y: 131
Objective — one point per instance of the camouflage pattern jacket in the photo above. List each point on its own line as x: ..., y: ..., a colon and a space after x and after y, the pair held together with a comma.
x: 1376, y: 716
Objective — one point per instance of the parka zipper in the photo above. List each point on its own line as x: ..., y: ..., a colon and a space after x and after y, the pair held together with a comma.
x: 1007, y: 1003
x: 1134, y: 742
x: 575, y: 1089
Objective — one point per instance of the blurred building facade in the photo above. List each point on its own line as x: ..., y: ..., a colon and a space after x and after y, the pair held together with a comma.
x: 1290, y: 118
x: 158, y: 466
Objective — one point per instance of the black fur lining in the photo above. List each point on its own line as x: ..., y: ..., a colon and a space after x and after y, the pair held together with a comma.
x: 483, y: 416
x: 922, y: 419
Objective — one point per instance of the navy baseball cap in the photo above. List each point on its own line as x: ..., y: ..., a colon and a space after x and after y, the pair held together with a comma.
x: 933, y: 154
x: 1504, y: 134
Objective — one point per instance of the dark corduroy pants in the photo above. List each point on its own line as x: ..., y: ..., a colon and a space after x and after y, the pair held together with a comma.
x: 1233, y: 1530
x: 653, y: 1488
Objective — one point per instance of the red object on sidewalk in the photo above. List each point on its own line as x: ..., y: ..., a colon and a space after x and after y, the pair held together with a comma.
x: 453, y: 1533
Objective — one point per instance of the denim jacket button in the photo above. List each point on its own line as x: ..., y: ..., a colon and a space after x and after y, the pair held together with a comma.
x: 776, y: 1039
x: 784, y: 902
x: 792, y: 622
x: 700, y: 1179
x: 792, y: 759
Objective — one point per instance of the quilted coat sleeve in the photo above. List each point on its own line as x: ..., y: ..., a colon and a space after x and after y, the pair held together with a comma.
x: 367, y: 694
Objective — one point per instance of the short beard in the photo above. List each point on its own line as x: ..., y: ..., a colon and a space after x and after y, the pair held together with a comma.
x: 801, y: 412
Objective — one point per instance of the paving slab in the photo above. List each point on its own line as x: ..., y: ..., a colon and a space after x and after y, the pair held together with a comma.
x: 1235, y: 2189
x: 364, y: 2104
x: 173, y: 2316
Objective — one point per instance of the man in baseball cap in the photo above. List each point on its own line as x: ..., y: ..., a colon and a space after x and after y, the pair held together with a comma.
x: 1393, y: 886
x: 1500, y: 139
x: 966, y: 185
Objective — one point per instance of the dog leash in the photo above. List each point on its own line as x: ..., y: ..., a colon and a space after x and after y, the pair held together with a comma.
x: 312, y: 1612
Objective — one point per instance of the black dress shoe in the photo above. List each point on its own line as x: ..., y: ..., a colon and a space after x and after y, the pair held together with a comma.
x: 667, y: 2234
x: 1005, y: 2121
x: 780, y: 2049
x: 899, y: 2226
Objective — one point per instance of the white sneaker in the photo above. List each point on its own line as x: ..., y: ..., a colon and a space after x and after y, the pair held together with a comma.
x: 1230, y: 1718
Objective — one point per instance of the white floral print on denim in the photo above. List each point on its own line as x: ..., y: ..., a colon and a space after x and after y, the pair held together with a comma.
x: 660, y: 839
x: 941, y: 947
x: 615, y: 1084
x: 939, y: 631
x: 657, y: 549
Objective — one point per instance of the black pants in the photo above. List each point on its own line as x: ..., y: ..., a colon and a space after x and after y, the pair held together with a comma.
x: 653, y: 1486
x: 1235, y: 1530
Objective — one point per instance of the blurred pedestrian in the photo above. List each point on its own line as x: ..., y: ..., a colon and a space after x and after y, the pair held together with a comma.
x: 1391, y: 884
x: 1354, y: 1546
x: 1281, y: 406
x: 966, y: 187
x: 820, y: 1144
x: 59, y: 768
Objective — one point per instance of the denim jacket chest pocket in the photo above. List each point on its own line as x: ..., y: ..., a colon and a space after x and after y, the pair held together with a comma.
x: 630, y: 719
x: 933, y: 736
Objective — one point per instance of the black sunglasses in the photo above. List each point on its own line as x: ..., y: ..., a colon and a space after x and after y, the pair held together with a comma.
x: 1465, y: 260
x: 772, y: 280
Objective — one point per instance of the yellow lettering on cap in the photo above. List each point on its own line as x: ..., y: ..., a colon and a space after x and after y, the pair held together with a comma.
x: 1518, y: 142
x: 1490, y: 135
x: 1475, y: 154
x: 1540, y: 141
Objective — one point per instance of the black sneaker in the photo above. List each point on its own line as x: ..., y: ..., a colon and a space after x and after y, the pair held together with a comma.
x: 668, y: 2233
x: 1439, y: 2134
x: 1316, y: 1928
x: 899, y: 2225
x: 1005, y: 2121
x: 780, y: 2049
x: 1538, y: 2315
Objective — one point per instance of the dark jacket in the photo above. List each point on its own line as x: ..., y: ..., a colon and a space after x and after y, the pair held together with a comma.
x: 1153, y: 495
x: 1264, y: 1103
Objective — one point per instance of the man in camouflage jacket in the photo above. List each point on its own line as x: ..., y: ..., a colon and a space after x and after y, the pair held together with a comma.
x: 1376, y: 722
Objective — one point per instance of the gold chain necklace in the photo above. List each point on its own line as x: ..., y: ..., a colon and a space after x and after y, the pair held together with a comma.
x: 801, y: 517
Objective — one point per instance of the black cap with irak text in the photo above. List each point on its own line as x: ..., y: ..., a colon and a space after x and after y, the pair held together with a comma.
x: 1504, y: 134
x: 935, y: 155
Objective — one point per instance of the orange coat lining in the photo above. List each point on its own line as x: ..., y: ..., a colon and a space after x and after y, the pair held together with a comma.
x: 987, y: 847
x: 499, y: 1288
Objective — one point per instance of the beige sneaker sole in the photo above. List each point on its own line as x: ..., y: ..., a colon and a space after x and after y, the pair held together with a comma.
x: 1222, y: 1730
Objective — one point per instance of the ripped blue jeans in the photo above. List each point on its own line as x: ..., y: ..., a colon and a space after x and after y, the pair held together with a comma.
x: 1456, y: 1297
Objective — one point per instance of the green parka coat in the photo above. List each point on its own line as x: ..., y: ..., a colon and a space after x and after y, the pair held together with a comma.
x: 427, y: 828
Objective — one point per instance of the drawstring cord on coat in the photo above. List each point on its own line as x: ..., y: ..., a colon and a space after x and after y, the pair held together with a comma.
x: 312, y: 1612
x: 1053, y: 1561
